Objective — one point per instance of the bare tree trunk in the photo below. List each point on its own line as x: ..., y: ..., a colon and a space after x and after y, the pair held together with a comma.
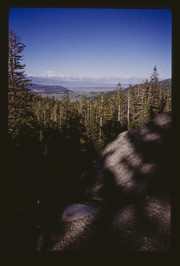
x: 119, y: 111
x: 119, y: 106
x: 128, y: 109
x: 101, y: 116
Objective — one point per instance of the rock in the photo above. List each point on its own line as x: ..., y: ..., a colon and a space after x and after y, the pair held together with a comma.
x: 76, y: 211
x: 130, y: 187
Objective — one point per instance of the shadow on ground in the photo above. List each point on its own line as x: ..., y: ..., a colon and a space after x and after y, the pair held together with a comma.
x: 130, y: 186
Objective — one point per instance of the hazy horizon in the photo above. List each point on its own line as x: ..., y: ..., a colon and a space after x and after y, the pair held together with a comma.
x: 75, y: 82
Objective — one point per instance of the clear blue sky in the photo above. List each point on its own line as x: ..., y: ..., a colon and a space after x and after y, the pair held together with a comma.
x: 94, y: 42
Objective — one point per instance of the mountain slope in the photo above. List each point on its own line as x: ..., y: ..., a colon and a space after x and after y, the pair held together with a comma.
x: 166, y: 83
x: 49, y: 89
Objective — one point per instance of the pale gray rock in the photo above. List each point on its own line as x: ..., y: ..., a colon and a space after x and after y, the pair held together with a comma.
x: 76, y: 211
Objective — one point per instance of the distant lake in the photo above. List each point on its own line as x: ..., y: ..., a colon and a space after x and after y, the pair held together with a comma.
x: 96, y: 89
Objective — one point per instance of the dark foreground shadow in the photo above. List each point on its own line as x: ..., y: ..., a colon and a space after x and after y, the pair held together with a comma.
x: 130, y: 184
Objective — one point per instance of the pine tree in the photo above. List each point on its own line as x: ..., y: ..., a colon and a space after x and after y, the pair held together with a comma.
x: 154, y: 77
x: 155, y: 94
x: 65, y: 108
x: 18, y: 92
x: 135, y: 108
x: 144, y: 103
x: 168, y: 100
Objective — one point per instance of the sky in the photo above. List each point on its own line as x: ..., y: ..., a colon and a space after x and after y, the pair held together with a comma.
x: 79, y: 42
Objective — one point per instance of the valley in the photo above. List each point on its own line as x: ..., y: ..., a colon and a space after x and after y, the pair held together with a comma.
x: 75, y: 96
x: 78, y: 93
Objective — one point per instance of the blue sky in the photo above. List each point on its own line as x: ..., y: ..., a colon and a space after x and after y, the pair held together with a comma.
x: 94, y: 42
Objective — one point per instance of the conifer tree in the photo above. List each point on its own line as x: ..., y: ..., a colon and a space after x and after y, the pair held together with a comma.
x: 168, y: 100
x: 65, y: 108
x: 155, y: 106
x: 144, y: 103
x: 18, y: 92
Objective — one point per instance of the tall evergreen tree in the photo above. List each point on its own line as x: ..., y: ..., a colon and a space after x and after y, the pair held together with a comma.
x: 144, y: 103
x: 18, y: 92
x: 65, y: 107
x: 154, y: 94
x: 154, y: 77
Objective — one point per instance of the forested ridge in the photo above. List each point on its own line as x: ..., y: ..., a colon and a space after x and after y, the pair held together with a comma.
x: 51, y: 142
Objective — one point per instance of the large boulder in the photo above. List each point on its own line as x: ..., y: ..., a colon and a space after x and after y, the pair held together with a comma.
x: 123, y: 201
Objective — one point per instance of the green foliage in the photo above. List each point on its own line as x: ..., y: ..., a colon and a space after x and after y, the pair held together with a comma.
x: 19, y: 97
x: 98, y: 121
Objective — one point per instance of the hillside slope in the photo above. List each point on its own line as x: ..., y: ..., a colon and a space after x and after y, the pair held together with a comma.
x: 49, y: 89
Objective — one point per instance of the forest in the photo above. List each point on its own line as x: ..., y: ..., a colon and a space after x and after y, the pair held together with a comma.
x: 52, y: 142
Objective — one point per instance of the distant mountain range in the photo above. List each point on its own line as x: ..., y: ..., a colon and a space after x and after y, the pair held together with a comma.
x: 55, y: 89
x: 71, y: 82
